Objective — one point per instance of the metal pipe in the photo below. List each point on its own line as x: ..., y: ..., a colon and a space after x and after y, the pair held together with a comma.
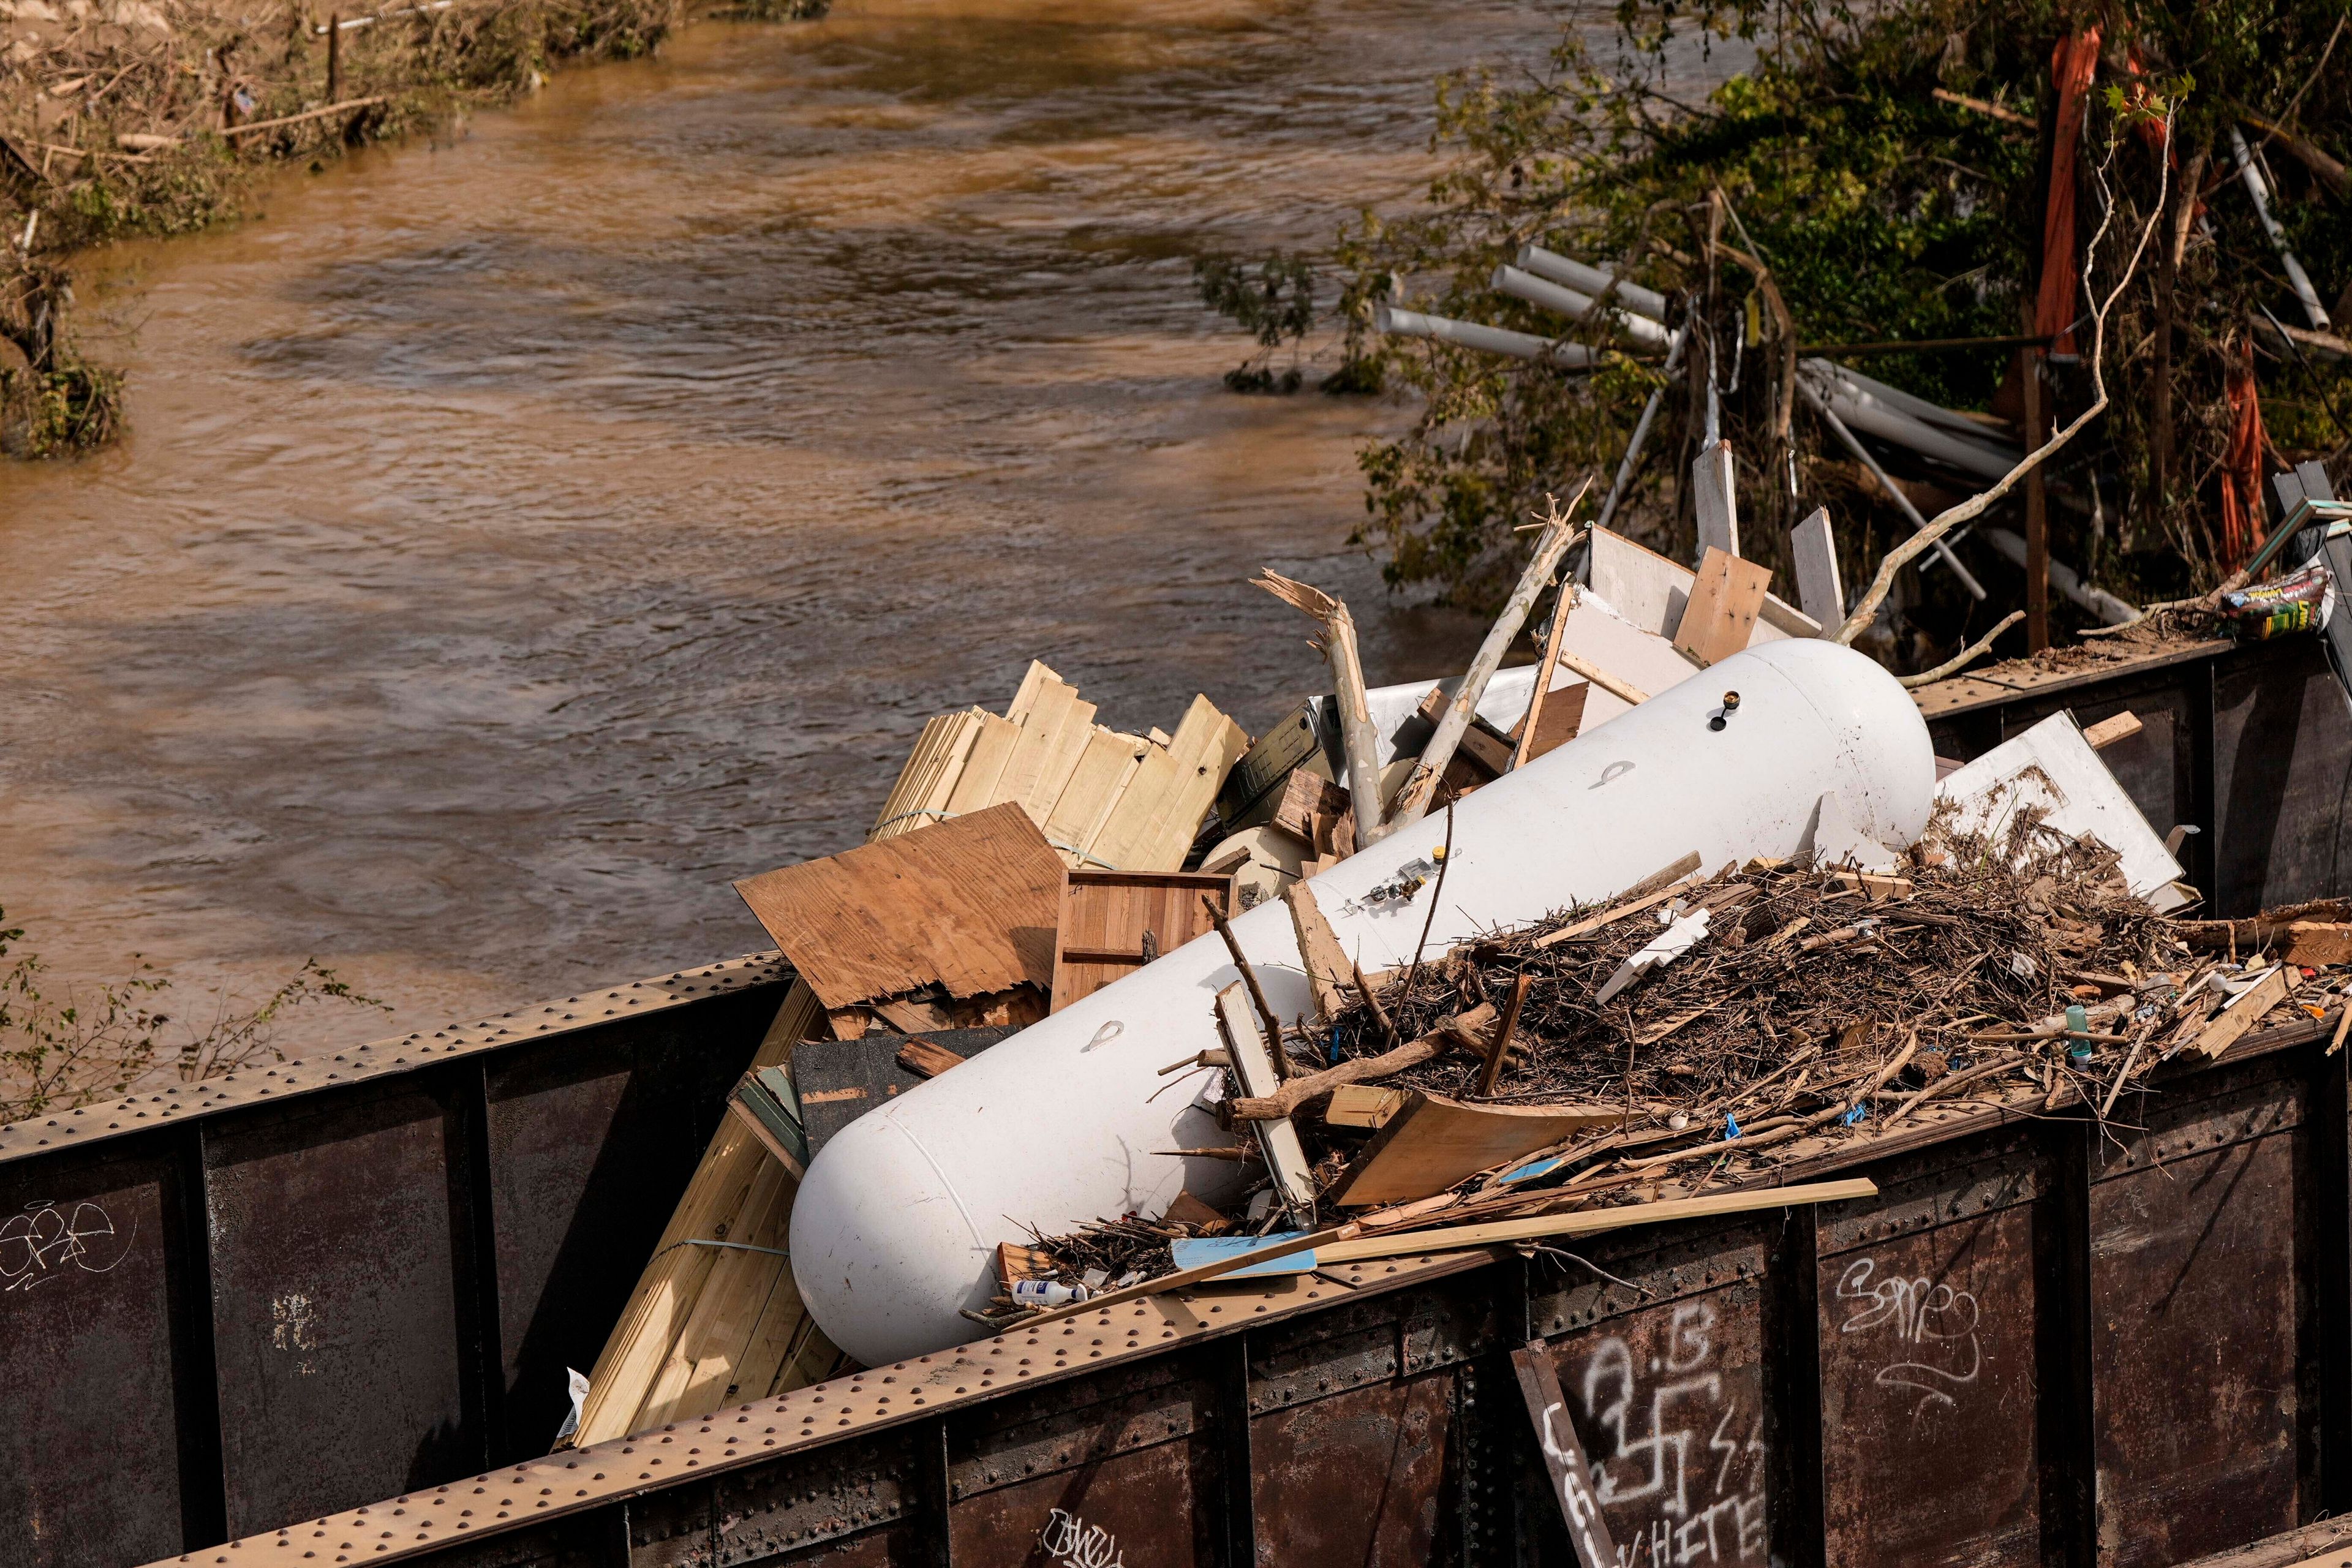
x: 2110, y: 609
x: 1943, y: 551
x: 1632, y: 457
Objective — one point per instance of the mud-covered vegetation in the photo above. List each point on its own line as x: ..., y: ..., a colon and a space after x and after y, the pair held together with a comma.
x: 153, y: 117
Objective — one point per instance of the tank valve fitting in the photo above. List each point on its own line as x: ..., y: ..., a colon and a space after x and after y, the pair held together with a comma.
x: 1722, y: 715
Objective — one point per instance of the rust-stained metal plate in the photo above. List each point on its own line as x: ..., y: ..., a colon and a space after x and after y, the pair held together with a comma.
x: 85, y: 1308
x: 2196, y: 1325
x: 316, y: 1335
x: 1140, y: 1508
x: 859, y: 1492
x: 1354, y: 1479
x: 1669, y: 1406
x: 876, y: 1400
x: 1928, y: 1396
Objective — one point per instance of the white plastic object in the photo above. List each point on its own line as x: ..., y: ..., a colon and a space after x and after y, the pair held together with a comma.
x: 1575, y: 274
x: 896, y: 1226
x: 1563, y: 301
x: 2051, y: 770
x: 1393, y: 323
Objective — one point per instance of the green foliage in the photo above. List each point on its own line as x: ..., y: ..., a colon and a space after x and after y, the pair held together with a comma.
x: 1881, y: 212
x: 1272, y: 303
x: 74, y: 406
x: 58, y: 1054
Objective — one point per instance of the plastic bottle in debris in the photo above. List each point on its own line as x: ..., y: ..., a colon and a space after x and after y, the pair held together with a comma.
x: 1047, y: 1293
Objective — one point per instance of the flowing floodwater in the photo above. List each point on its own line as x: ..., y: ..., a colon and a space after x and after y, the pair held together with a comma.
x: 522, y: 536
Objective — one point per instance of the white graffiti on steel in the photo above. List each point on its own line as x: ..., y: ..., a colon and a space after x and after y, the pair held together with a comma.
x: 1071, y: 1542
x: 1919, y: 1312
x: 44, y: 1243
x: 1662, y: 1447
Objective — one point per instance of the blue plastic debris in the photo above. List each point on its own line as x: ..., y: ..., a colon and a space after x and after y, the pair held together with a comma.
x: 1730, y: 1127
x: 1192, y: 1252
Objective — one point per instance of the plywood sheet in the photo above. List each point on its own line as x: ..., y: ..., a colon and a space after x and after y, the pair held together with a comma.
x: 969, y: 905
x: 1434, y: 1141
x: 1723, y: 600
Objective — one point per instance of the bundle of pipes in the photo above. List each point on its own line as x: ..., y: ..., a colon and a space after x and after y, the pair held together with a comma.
x: 1846, y: 401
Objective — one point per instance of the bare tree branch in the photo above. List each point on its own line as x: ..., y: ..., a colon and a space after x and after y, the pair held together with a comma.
x: 1903, y: 554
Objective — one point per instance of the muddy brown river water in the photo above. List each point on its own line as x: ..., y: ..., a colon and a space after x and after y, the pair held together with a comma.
x: 519, y: 537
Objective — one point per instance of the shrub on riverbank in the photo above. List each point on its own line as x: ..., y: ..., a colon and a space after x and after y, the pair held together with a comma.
x: 133, y: 117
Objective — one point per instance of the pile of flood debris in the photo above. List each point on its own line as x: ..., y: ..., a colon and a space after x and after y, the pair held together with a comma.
x: 1695, y: 1037
x: 1715, y: 1028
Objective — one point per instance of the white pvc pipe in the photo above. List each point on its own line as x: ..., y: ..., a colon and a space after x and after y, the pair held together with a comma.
x: 2258, y: 189
x: 1576, y: 307
x: 896, y: 1227
x: 1592, y: 281
x: 1866, y: 411
x: 1399, y: 324
x: 2110, y: 609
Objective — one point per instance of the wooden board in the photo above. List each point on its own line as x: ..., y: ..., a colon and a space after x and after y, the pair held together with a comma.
x: 1366, y: 1105
x: 1724, y: 601
x: 1305, y: 800
x: 1435, y: 1142
x: 1488, y: 748
x: 969, y: 905
x: 1327, y: 963
x: 1252, y: 1060
x: 1560, y: 718
x: 837, y: 1082
x: 1105, y: 916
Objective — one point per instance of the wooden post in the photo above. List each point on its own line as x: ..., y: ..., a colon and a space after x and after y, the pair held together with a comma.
x: 1563, y: 1457
x: 335, y: 58
x: 2037, y: 510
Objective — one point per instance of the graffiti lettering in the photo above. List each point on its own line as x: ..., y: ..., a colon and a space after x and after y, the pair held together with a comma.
x: 1677, y: 1440
x: 1072, y: 1543
x: 44, y: 1243
x: 1918, y: 1313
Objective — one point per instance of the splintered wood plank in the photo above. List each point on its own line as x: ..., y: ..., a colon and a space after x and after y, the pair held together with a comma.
x: 1206, y: 746
x: 1033, y: 682
x: 1052, y: 708
x: 1327, y: 963
x: 1435, y: 1142
x: 1058, y: 758
x: 1107, y: 914
x: 1104, y: 768
x: 1723, y: 603
x: 673, y: 1280
x: 929, y: 777
x: 968, y: 904
x: 1124, y: 838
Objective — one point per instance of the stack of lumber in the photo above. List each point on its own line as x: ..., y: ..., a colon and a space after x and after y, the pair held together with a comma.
x: 1112, y: 800
x: 716, y: 1318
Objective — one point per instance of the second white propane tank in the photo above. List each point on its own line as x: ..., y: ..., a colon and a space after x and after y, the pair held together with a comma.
x: 896, y: 1227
